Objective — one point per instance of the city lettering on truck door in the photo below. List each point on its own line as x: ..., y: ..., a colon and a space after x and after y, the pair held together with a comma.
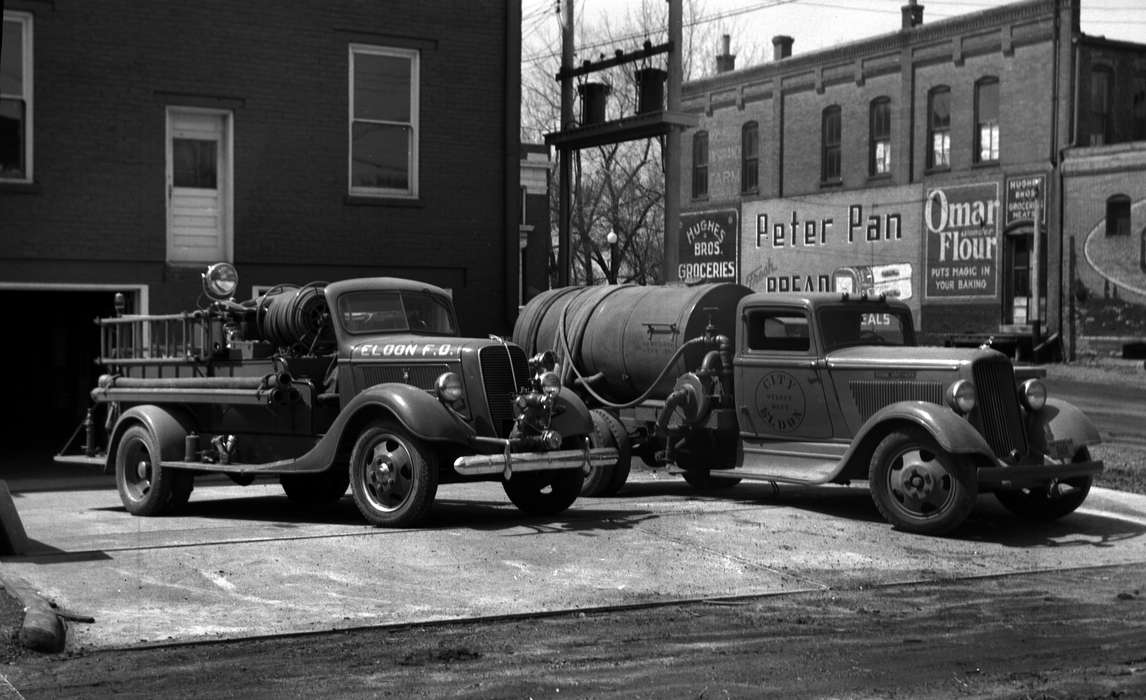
x: 783, y: 387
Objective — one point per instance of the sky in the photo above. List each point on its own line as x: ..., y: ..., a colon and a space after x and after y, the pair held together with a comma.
x: 815, y: 24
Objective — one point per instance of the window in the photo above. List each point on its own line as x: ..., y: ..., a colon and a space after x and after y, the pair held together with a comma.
x: 1101, y: 81
x: 700, y: 164
x: 1118, y: 215
x: 939, y: 127
x: 987, y: 120
x: 750, y: 157
x: 830, y: 145
x: 16, y: 98
x: 786, y: 331
x: 879, y: 139
x: 383, y: 121
x: 1138, y: 107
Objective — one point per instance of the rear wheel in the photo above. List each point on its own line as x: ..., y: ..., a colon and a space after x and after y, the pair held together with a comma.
x: 544, y: 493
x: 319, y: 489
x: 145, y: 486
x: 608, y: 432
x: 393, y: 476
x: 1053, y: 501
x: 919, y: 487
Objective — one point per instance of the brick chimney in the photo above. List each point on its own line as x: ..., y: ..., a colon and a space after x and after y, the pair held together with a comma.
x: 726, y: 61
x: 912, y: 14
x: 781, y: 47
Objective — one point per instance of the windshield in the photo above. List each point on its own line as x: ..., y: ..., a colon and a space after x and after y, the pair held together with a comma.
x: 845, y: 326
x: 395, y: 312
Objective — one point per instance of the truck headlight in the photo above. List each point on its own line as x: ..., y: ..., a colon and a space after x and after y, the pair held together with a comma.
x: 550, y: 383
x: 1033, y: 394
x: 220, y: 281
x: 961, y: 396
x: 449, y: 387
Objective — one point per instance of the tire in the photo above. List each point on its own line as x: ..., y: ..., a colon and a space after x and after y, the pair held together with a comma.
x: 393, y: 476
x: 919, y: 487
x: 320, y: 489
x: 707, y: 480
x: 608, y: 432
x: 1049, y: 504
x: 145, y: 486
x: 544, y: 493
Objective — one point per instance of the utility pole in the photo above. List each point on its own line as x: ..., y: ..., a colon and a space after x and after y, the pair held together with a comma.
x: 672, y: 156
x: 565, y: 153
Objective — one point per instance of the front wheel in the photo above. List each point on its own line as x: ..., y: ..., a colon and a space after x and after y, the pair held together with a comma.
x: 1052, y: 502
x: 393, y: 476
x: 918, y: 486
x: 145, y: 486
x: 544, y: 493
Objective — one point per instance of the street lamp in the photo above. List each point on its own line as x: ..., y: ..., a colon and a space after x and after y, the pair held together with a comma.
x: 611, y: 239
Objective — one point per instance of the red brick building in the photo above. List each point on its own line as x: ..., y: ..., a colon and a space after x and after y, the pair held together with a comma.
x: 302, y: 141
x: 920, y: 163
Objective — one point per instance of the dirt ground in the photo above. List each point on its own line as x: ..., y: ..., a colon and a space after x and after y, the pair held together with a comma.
x: 1069, y: 634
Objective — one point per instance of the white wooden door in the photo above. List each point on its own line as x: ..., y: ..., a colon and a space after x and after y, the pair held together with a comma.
x: 198, y: 186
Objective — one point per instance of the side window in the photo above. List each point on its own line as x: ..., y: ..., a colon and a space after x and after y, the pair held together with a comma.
x: 831, y: 133
x: 785, y: 331
x: 987, y: 120
x: 700, y: 165
x: 383, y: 153
x: 1101, y: 82
x: 16, y: 98
x: 750, y: 157
x: 879, y: 138
x: 939, y: 127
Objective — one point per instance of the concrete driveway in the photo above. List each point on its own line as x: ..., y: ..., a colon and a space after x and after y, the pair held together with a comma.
x: 242, y: 561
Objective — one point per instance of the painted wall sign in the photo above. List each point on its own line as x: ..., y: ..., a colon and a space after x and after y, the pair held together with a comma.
x: 864, y: 241
x: 962, y: 241
x: 708, y: 247
x: 1025, y: 195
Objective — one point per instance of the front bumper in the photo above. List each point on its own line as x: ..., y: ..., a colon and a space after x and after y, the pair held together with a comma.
x: 1021, y: 476
x: 507, y: 463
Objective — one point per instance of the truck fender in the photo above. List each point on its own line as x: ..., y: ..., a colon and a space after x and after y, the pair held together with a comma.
x: 168, y: 427
x: 952, y: 432
x: 1060, y: 426
x: 419, y: 412
x: 572, y: 415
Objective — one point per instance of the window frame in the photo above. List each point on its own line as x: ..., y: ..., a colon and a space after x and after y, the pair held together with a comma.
x: 27, y: 75
x: 1118, y: 212
x: 1138, y: 107
x: 831, y: 153
x: 935, y: 129
x: 1101, y: 117
x: 750, y: 158
x: 412, y: 156
x: 995, y: 154
x: 877, y: 166
x: 700, y: 165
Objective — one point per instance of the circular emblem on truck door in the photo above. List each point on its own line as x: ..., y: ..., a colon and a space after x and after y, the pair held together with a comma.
x: 780, y: 401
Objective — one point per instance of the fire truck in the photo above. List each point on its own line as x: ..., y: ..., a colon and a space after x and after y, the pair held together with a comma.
x: 722, y: 384
x: 359, y: 383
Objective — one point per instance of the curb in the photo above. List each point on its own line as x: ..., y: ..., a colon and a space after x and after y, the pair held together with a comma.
x: 43, y: 629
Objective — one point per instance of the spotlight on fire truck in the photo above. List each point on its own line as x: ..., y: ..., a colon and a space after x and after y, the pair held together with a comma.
x: 220, y: 281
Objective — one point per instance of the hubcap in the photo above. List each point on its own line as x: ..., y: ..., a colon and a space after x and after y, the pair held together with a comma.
x: 389, y: 473
x: 920, y: 483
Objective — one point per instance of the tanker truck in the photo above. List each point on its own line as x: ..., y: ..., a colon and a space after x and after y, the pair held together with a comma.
x: 360, y: 383
x: 721, y: 384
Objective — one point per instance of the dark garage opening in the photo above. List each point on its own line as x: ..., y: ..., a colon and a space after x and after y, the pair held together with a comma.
x: 48, y: 354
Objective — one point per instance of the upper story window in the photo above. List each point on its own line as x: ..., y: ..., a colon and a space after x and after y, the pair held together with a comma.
x: 750, y: 157
x: 1118, y: 215
x: 939, y: 127
x: 383, y: 121
x: 700, y: 164
x: 1138, y: 107
x: 1101, y: 84
x: 16, y: 98
x: 879, y: 137
x: 831, y: 133
x: 987, y: 120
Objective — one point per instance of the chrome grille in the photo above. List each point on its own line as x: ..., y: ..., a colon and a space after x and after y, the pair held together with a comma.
x: 872, y: 395
x: 504, y: 372
x: 421, y: 376
x: 997, y: 414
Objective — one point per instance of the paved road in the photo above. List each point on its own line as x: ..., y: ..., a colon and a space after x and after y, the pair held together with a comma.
x: 241, y: 562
